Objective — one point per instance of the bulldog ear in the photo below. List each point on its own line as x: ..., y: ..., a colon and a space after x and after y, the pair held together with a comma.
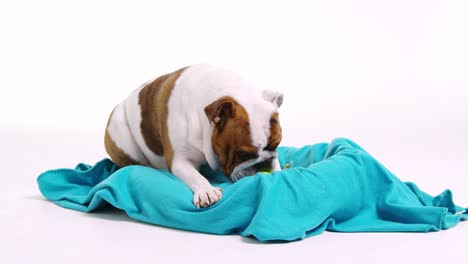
x: 276, y: 98
x: 221, y: 110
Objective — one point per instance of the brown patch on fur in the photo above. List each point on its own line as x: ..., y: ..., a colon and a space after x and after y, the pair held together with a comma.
x: 117, y: 155
x: 275, y: 133
x: 231, y: 139
x: 153, y: 99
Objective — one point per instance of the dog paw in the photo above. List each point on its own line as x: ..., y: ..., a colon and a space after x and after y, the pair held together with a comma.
x: 207, y: 196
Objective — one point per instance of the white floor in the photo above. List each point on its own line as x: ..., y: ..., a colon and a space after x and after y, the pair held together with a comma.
x: 33, y: 230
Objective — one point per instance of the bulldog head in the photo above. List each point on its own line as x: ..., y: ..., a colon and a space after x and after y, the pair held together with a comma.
x: 245, y: 137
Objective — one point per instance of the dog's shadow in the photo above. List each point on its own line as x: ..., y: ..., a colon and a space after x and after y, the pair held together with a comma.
x: 109, y: 213
x: 106, y: 212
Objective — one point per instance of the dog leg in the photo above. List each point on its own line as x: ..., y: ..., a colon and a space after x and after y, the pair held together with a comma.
x: 204, y: 194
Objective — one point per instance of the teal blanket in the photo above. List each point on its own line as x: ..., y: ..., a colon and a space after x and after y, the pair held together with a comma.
x: 336, y: 187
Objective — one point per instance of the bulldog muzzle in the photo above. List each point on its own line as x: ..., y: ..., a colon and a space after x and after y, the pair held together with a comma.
x: 263, y: 163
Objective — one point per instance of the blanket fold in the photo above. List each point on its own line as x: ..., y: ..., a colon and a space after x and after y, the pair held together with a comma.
x: 336, y: 187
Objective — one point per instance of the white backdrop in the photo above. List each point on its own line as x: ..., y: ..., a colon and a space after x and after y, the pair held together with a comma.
x: 391, y: 75
x: 378, y: 72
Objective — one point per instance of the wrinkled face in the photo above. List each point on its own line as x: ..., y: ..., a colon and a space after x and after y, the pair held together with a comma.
x: 243, y: 148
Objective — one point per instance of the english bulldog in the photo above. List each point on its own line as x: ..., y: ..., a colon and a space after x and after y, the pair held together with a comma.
x: 197, y: 114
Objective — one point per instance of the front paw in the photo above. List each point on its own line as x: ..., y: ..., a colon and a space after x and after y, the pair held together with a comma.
x: 204, y: 197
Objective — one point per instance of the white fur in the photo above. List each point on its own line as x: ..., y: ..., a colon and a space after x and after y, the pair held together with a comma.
x: 120, y: 132
x: 133, y: 111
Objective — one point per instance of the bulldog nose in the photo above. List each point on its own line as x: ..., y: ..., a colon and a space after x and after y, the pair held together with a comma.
x: 265, y: 165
